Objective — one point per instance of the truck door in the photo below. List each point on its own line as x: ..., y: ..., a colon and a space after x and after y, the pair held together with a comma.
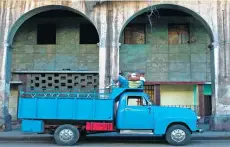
x: 137, y: 113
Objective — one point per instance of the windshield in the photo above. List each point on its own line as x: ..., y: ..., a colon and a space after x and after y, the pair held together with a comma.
x: 150, y: 100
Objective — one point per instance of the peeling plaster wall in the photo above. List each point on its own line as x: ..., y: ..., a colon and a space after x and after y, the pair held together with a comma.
x: 164, y: 62
x: 67, y: 53
x: 112, y: 24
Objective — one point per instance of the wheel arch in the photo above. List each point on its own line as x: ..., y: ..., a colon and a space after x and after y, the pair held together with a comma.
x: 179, y: 123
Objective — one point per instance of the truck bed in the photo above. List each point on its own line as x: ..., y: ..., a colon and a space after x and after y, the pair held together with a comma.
x: 65, y: 106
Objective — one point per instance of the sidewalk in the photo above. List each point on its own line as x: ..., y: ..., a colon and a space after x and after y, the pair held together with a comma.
x: 16, y: 135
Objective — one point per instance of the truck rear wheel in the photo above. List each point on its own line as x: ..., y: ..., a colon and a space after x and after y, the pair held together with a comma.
x: 66, y: 135
x: 178, y: 135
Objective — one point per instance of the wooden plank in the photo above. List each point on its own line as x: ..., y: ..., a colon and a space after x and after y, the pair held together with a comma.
x: 157, y: 94
x: 201, y: 100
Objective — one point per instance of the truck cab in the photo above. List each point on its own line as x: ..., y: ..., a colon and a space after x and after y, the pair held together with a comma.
x: 136, y: 114
x: 124, y: 111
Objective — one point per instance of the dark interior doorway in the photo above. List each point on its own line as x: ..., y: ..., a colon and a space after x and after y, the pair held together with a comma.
x: 207, y: 107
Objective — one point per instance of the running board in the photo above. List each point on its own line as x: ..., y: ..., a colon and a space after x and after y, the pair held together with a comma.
x: 136, y: 132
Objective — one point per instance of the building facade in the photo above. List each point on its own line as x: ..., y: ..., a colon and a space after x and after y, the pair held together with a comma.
x: 64, y: 44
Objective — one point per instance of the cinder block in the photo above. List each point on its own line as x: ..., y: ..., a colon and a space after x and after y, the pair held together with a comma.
x: 157, y: 67
x: 92, y: 58
x: 82, y: 66
x: 198, y: 67
x: 160, y: 49
x: 135, y: 59
x: 44, y: 66
x: 65, y: 58
x: 179, y: 57
x: 157, y: 58
x: 67, y: 49
x: 179, y: 49
x: 153, y: 76
x: 198, y: 58
x: 93, y: 66
x: 92, y: 49
x: 199, y: 48
x: 27, y: 58
x: 209, y: 67
x: 198, y: 76
x: 81, y: 58
x: 40, y: 58
x: 26, y: 34
x: 124, y: 49
x: 208, y: 77
x: 67, y: 34
x: 208, y: 56
x: 82, y: 49
x: 179, y: 67
x: 23, y: 49
x: 45, y: 49
x: 61, y: 66
x: 179, y: 76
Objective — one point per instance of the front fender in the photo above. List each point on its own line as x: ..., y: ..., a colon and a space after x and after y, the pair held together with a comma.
x: 161, y: 125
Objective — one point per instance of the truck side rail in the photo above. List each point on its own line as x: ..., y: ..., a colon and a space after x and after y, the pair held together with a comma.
x: 76, y: 93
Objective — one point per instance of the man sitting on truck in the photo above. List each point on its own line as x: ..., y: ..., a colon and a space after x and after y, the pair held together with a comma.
x: 135, y: 80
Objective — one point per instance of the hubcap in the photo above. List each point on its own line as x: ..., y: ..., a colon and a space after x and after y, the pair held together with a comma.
x: 178, y: 135
x: 66, y: 134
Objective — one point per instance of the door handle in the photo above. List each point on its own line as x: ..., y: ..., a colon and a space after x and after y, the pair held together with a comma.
x: 128, y: 109
x: 149, y: 109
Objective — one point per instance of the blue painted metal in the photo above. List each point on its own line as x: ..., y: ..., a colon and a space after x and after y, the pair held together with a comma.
x: 32, y: 126
x: 138, y: 117
x: 153, y: 117
x: 98, y: 106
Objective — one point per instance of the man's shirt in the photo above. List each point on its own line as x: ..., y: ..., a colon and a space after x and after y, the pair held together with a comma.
x: 123, y: 82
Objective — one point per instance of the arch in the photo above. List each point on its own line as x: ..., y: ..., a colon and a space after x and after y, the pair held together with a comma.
x: 171, y: 6
x: 38, y: 10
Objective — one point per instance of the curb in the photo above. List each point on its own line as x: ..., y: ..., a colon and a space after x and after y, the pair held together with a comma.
x: 108, y: 139
x: 44, y: 139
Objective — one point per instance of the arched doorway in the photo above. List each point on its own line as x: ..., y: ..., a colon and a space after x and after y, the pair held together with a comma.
x: 172, y: 45
x: 52, y: 48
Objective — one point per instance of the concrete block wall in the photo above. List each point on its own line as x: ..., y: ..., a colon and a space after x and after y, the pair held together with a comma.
x: 67, y: 53
x: 164, y: 62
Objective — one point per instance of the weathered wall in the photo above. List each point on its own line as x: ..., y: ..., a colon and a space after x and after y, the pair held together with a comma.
x: 110, y: 18
x: 164, y: 62
x: 67, y: 53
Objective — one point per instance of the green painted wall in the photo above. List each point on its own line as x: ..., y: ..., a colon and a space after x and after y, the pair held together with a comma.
x: 164, y: 62
x: 67, y: 53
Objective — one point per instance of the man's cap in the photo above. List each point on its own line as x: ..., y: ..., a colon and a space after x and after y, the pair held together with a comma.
x: 141, y: 72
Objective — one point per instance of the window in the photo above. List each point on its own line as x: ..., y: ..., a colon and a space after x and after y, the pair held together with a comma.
x: 134, y: 34
x: 46, y: 34
x: 178, y: 34
x: 88, y: 34
x: 136, y: 101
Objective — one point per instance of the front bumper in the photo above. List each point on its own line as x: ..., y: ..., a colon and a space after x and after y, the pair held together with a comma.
x: 200, y: 130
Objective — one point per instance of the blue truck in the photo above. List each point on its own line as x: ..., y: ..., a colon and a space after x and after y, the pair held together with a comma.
x: 71, y: 115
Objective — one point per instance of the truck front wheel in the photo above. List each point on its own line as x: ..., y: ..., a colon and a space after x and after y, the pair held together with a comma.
x: 66, y: 135
x: 178, y: 135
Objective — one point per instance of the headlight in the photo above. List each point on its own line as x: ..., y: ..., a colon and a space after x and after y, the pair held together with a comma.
x: 198, y: 117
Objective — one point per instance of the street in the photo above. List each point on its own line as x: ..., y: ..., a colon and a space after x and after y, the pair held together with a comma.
x: 103, y: 143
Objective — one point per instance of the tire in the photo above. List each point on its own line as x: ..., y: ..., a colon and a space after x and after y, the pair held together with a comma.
x: 66, y: 135
x: 181, y: 140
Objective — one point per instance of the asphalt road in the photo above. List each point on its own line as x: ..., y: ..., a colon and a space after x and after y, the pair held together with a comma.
x: 104, y: 143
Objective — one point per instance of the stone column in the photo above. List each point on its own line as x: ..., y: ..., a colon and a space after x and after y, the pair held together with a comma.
x: 103, y: 55
x: 221, y: 90
x: 5, y: 58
